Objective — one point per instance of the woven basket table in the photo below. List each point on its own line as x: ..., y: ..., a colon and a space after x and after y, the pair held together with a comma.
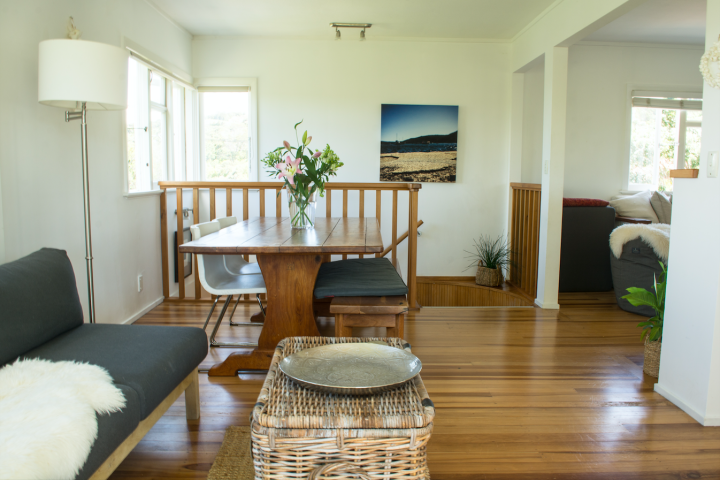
x: 303, y: 433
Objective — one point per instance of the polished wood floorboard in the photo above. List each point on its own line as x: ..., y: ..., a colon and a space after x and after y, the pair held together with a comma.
x: 520, y: 393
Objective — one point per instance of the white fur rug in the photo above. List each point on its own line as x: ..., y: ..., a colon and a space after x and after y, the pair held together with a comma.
x: 48, y: 417
x: 657, y: 235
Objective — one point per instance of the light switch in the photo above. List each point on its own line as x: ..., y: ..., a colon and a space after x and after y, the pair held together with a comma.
x: 546, y: 168
x: 712, y: 169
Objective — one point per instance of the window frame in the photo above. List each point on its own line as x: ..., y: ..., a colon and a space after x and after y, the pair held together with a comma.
x: 230, y: 83
x: 173, y: 77
x: 687, y: 91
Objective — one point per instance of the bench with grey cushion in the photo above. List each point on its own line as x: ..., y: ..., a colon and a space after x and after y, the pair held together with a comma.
x: 365, y: 292
x: 42, y: 318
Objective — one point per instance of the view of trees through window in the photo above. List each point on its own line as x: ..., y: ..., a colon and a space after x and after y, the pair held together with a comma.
x: 225, y: 132
x: 657, y: 136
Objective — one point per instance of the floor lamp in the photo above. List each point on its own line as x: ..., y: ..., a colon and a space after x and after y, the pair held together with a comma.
x: 79, y: 75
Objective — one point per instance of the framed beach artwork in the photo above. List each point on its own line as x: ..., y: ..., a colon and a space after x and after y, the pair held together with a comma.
x: 418, y: 143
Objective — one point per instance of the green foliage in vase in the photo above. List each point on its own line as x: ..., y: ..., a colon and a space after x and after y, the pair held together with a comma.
x: 653, y: 327
x: 491, y: 253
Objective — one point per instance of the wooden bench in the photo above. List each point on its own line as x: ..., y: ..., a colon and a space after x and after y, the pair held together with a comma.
x: 369, y: 312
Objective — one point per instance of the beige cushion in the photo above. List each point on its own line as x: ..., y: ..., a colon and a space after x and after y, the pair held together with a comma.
x: 662, y: 207
x: 635, y: 206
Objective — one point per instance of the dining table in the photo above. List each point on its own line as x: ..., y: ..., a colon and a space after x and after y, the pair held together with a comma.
x: 289, y: 260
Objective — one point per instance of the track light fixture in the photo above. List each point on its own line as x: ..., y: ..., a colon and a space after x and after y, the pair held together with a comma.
x: 338, y: 26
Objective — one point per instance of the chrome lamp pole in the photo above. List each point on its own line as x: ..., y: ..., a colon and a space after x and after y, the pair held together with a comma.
x: 80, y: 75
x: 82, y: 115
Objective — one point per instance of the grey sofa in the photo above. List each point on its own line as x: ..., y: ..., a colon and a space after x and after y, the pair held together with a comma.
x: 41, y: 317
x: 637, y: 267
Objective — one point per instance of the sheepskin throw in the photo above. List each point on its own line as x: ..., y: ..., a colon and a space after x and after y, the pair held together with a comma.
x: 48, y: 417
x: 656, y: 235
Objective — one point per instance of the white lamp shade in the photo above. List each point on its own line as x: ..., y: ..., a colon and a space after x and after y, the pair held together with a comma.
x: 74, y: 71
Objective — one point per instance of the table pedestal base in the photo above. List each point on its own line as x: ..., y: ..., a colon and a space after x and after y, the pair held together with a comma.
x: 290, y: 281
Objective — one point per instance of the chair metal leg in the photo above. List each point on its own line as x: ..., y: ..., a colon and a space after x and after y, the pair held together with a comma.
x: 211, y: 312
x: 247, y: 324
x: 213, y: 343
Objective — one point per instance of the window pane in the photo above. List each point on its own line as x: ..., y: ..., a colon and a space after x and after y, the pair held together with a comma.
x: 157, y: 89
x: 642, y: 146
x: 138, y: 147
x: 178, y: 124
x: 668, y: 147
x: 694, y: 115
x: 159, y: 145
x: 692, y: 146
x: 225, y: 139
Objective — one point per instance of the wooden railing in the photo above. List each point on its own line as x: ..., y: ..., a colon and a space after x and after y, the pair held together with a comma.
x: 524, y: 236
x: 260, y: 189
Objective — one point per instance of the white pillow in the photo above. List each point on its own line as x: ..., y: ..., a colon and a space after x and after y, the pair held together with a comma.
x: 635, y: 206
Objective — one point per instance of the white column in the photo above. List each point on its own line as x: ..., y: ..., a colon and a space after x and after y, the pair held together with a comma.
x: 516, y: 137
x: 690, y: 358
x: 553, y: 173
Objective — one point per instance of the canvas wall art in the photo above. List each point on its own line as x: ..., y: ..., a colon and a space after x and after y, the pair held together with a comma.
x: 418, y: 143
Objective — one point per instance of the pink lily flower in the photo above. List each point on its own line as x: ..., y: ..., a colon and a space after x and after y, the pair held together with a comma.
x: 287, y: 144
x: 316, y: 154
x: 289, y: 169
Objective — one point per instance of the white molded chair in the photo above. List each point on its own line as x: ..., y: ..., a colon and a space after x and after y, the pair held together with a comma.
x: 216, y: 279
x: 237, y: 265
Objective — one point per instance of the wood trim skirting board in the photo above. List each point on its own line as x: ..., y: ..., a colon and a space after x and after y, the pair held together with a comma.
x: 190, y: 386
x: 464, y: 292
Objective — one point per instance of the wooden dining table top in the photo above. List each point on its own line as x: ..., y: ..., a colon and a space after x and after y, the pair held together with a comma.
x: 268, y: 235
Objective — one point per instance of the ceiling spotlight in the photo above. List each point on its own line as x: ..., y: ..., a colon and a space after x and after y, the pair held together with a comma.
x: 338, y: 26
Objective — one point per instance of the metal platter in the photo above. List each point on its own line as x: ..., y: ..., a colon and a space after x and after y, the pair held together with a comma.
x: 351, y: 368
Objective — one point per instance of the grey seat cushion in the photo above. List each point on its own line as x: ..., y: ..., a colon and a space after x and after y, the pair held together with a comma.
x: 38, y: 301
x: 359, y: 277
x: 637, y: 267
x: 152, y: 360
x: 113, y: 429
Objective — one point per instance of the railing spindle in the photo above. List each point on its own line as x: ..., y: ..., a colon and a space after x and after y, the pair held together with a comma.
x: 328, y: 203
x: 262, y: 202
x: 394, y: 226
x: 164, y: 244
x: 228, y: 202
x: 378, y: 211
x: 345, y: 212
x: 212, y: 204
x: 196, y: 220
x: 181, y: 272
x: 412, y: 248
x: 361, y: 209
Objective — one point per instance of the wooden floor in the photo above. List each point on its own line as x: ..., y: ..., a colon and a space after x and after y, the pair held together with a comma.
x: 520, y: 393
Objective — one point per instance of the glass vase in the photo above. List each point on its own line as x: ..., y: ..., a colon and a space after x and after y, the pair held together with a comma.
x: 302, y: 210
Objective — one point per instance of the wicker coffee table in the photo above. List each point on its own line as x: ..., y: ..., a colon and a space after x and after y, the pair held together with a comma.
x: 296, y: 431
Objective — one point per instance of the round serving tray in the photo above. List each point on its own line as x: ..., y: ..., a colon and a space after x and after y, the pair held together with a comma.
x: 351, y: 368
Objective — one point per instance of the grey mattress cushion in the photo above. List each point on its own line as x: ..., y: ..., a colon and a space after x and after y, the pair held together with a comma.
x: 113, y: 429
x: 152, y: 360
x: 38, y: 301
x: 359, y: 277
x: 636, y: 267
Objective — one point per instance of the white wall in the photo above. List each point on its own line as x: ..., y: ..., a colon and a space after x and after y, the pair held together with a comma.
x: 40, y: 153
x: 597, y: 117
x: 337, y: 87
x: 690, y: 358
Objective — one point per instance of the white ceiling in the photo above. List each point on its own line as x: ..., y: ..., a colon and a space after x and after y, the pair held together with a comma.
x: 463, y: 19
x: 658, y: 21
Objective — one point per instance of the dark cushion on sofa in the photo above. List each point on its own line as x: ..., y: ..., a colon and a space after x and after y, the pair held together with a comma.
x: 38, y: 301
x: 113, y: 429
x: 585, y: 249
x: 637, y: 267
x: 152, y: 360
x: 359, y: 277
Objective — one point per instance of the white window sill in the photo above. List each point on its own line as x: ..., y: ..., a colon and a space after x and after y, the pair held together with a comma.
x: 142, y: 194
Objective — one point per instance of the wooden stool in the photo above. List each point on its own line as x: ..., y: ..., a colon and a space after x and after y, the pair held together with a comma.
x: 369, y: 312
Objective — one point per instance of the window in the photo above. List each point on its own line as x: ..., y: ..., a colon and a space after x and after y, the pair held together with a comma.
x: 225, y: 139
x: 158, y: 143
x: 665, y: 134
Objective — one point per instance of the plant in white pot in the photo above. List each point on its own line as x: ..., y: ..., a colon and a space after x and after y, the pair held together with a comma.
x: 652, y: 327
x: 491, y: 257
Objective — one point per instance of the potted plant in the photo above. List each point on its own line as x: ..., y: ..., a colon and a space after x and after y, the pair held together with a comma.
x: 491, y: 257
x: 304, y: 173
x: 653, y: 327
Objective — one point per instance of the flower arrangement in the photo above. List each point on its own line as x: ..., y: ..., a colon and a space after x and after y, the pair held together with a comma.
x: 304, y: 172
